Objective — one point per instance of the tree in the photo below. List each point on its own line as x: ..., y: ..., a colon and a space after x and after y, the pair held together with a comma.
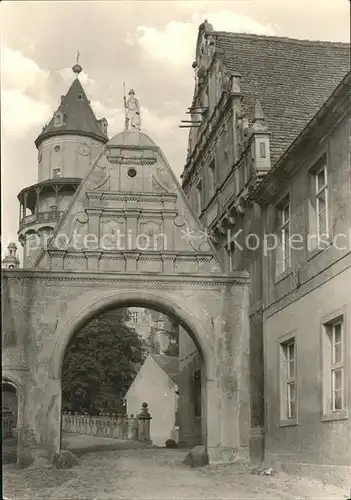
x: 104, y: 356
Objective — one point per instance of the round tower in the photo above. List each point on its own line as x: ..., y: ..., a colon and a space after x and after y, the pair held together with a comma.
x: 11, y: 261
x: 67, y: 147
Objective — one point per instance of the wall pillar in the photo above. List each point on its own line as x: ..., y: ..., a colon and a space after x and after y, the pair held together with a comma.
x: 144, y: 419
x: 39, y: 432
x: 132, y: 229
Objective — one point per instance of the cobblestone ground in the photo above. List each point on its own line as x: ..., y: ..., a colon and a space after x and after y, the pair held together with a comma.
x: 149, y: 473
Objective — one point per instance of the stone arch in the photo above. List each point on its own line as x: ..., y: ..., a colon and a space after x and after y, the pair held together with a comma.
x: 84, y: 309
x: 118, y: 299
x: 8, y: 377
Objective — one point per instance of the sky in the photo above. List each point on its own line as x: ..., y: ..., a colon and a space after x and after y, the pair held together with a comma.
x: 149, y: 45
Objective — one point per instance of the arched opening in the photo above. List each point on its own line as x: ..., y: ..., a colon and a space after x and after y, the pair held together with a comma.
x: 176, y: 403
x: 9, y: 411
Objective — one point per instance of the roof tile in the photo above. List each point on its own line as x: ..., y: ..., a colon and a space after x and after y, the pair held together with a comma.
x: 291, y: 78
x: 79, y: 117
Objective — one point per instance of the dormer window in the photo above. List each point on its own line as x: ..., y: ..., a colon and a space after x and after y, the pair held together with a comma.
x: 58, y: 119
x: 80, y: 97
x: 56, y: 173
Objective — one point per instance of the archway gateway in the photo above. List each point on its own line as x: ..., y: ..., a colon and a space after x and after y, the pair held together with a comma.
x: 12, y: 412
x: 138, y: 366
x: 47, y: 308
x: 125, y: 240
x: 9, y: 404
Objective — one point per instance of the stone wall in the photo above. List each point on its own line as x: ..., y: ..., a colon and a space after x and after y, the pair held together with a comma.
x: 310, y: 438
x: 301, y: 302
x: 73, y: 154
x: 189, y: 362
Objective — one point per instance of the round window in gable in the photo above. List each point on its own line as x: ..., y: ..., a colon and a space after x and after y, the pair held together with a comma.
x: 57, y: 149
x: 132, y: 172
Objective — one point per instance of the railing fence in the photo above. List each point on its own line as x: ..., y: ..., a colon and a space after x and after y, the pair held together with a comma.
x: 114, y: 426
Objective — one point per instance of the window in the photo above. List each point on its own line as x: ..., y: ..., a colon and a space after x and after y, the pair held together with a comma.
x: 288, y: 382
x: 212, y: 178
x: 197, y: 394
x: 334, y: 390
x: 318, y: 237
x: 131, y: 172
x: 58, y: 119
x: 56, y: 173
x: 134, y: 317
x: 321, y: 188
x: 199, y: 197
x: 262, y: 149
x: 337, y: 369
x: 284, y: 232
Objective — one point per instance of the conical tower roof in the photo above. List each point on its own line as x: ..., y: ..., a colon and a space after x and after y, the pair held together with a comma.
x: 77, y: 117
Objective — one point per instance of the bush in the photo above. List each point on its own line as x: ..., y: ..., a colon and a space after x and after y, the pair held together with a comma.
x: 170, y: 443
x: 197, y: 457
x: 65, y: 460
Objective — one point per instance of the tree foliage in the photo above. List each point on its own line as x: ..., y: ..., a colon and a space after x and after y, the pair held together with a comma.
x: 104, y: 356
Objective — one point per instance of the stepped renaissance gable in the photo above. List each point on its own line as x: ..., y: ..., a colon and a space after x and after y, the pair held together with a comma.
x: 130, y: 215
x: 291, y: 79
x: 270, y: 115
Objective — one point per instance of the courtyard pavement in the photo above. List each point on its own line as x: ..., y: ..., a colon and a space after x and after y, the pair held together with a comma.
x: 114, y: 470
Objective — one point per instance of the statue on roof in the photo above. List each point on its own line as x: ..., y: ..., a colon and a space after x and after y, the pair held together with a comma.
x: 132, y: 111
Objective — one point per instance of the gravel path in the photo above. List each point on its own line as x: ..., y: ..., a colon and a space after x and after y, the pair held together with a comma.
x: 151, y: 473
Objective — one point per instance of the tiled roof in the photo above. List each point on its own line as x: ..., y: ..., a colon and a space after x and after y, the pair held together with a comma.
x: 327, y: 114
x: 79, y: 117
x: 291, y: 78
x: 169, y: 365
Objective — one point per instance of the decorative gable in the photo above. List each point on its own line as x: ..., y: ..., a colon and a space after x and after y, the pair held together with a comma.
x: 130, y: 215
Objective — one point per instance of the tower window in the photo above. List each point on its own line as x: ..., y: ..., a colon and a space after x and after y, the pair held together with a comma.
x: 58, y: 119
x: 134, y: 317
x: 57, y: 149
x: 132, y: 172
